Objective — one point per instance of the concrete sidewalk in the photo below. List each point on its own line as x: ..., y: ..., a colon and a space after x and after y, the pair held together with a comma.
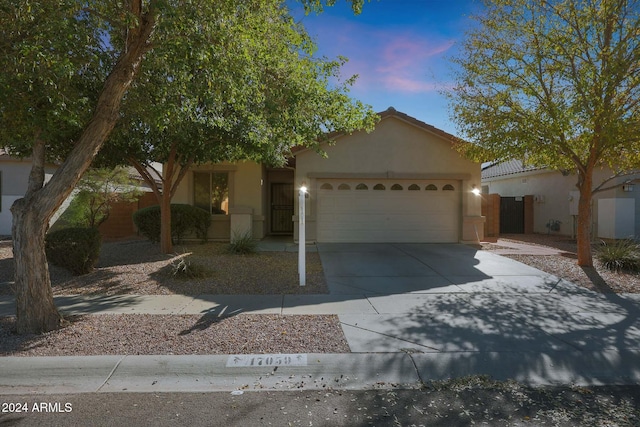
x: 410, y: 313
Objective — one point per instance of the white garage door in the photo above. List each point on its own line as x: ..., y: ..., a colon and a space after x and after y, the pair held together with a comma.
x: 388, y: 210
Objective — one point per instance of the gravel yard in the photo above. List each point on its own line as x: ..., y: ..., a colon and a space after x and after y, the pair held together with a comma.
x: 136, y: 334
x: 137, y: 267
x: 565, y: 266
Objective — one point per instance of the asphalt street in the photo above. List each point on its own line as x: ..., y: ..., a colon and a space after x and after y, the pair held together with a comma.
x: 454, y: 404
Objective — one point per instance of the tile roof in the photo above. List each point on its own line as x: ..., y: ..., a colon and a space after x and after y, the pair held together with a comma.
x: 508, y: 167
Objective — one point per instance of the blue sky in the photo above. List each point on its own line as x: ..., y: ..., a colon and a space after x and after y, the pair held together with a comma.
x: 399, y: 49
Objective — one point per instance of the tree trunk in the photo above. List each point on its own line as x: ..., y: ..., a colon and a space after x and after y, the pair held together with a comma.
x: 166, y: 245
x: 164, y: 197
x: 36, y: 310
x: 584, y: 219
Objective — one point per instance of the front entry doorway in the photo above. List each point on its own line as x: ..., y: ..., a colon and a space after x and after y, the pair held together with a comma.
x: 281, y: 208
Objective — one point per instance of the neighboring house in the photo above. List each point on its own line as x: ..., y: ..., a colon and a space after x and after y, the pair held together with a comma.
x: 14, y: 176
x: 403, y: 182
x: 553, y: 198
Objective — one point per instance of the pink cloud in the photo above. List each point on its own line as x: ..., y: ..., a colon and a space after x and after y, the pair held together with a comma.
x: 387, y: 59
x: 408, y: 84
x: 404, y: 63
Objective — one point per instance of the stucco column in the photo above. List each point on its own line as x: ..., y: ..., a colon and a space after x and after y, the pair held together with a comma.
x: 472, y: 220
x: 241, y: 218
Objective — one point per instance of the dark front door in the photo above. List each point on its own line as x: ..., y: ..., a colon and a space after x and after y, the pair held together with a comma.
x: 281, y: 208
x: 511, y: 215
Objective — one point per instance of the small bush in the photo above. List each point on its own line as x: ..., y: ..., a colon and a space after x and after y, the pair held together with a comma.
x: 76, y: 249
x: 620, y: 255
x: 185, y: 219
x: 183, y: 268
x: 147, y: 220
x: 242, y: 244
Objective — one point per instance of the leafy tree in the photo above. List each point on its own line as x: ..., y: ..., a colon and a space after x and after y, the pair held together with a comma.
x: 98, y: 190
x: 263, y: 94
x: 556, y: 83
x: 67, y: 65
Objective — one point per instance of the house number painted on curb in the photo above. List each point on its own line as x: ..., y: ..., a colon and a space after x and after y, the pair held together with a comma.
x: 248, y: 360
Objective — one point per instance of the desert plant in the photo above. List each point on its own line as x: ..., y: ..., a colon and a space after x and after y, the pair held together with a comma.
x: 242, y: 243
x: 185, y: 219
x: 97, y: 192
x: 619, y: 255
x: 76, y: 249
x: 184, y: 268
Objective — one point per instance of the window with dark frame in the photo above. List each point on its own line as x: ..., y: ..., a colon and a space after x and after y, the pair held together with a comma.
x: 211, y: 192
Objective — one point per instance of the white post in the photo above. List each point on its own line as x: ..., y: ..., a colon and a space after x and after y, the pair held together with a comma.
x: 302, y: 268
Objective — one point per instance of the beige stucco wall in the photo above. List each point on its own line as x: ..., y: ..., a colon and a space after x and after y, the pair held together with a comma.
x: 552, y: 192
x: 395, y: 149
x: 245, y: 196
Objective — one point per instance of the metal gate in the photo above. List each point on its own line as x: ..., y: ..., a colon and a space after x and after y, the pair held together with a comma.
x: 512, y: 215
x: 282, y: 208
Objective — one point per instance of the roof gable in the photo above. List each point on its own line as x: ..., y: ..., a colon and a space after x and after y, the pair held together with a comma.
x: 390, y: 113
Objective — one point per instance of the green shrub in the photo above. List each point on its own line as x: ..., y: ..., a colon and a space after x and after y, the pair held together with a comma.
x: 76, y: 249
x: 185, y: 219
x: 620, y: 255
x: 147, y: 220
x: 242, y: 244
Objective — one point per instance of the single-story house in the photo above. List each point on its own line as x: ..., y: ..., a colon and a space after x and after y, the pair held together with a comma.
x: 403, y: 182
x: 14, y: 177
x: 553, y: 198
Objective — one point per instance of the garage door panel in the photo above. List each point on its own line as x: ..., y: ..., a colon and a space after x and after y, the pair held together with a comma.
x: 388, y: 215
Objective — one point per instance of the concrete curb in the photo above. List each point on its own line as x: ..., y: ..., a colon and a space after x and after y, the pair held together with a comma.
x: 353, y: 371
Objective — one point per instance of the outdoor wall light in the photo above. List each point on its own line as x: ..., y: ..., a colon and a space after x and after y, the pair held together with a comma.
x: 475, y: 190
x: 302, y: 238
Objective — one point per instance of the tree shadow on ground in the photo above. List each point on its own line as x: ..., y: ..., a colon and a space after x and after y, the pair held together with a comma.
x: 97, y: 282
x: 207, y: 320
x: 515, y: 335
x: 264, y: 273
x: 597, y: 280
x: 127, y: 252
x: 12, y: 343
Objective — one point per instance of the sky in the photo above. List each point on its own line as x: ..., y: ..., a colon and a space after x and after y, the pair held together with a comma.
x: 399, y: 49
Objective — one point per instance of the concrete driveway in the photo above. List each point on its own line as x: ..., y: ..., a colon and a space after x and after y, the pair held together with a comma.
x: 483, y: 311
